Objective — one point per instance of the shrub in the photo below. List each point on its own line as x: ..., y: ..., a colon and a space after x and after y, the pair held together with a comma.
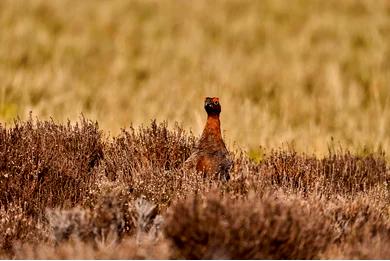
x: 18, y: 227
x: 256, y: 228
x: 76, y: 249
x: 107, y: 210
x: 155, y: 147
x: 47, y: 164
x: 337, y: 173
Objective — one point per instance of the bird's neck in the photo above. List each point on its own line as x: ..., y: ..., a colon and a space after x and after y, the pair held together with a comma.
x: 212, y: 129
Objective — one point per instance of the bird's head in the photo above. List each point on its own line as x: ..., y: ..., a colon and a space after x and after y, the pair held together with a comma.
x: 212, y: 106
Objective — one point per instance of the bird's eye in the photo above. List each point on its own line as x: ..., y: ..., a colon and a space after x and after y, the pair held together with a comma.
x: 215, y: 102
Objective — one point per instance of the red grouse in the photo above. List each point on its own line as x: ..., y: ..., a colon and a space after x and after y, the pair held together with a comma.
x: 211, y: 156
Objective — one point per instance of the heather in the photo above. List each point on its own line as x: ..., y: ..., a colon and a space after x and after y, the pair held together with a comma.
x: 73, y: 191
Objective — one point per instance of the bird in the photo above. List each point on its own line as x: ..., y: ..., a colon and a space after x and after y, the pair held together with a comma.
x: 210, y: 156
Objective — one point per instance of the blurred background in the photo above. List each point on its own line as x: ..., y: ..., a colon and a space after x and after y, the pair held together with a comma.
x: 306, y: 73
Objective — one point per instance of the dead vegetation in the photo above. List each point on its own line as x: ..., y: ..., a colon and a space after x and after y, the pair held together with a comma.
x: 68, y: 187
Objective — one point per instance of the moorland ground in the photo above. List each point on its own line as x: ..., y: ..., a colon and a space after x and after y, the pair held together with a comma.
x: 310, y: 74
x: 66, y: 191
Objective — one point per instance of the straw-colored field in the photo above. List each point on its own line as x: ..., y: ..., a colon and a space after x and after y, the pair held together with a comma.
x: 299, y: 73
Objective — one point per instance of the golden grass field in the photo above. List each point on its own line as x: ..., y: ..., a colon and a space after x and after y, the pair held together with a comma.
x: 304, y: 73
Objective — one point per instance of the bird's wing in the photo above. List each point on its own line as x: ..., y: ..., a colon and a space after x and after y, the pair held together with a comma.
x: 191, y: 161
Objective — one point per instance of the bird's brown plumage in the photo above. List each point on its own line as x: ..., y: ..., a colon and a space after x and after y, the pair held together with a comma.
x: 211, y: 156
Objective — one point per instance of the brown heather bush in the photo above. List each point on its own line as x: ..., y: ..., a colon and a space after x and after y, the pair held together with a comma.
x: 362, y: 225
x: 336, y: 173
x: 74, y: 249
x: 360, y: 219
x: 44, y: 164
x: 154, y: 146
x: 256, y: 228
x: 107, y: 210
x: 67, y: 191
x: 374, y: 248
x: 16, y: 226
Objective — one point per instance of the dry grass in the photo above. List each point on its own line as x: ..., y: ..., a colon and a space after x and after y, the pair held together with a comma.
x: 299, y: 73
